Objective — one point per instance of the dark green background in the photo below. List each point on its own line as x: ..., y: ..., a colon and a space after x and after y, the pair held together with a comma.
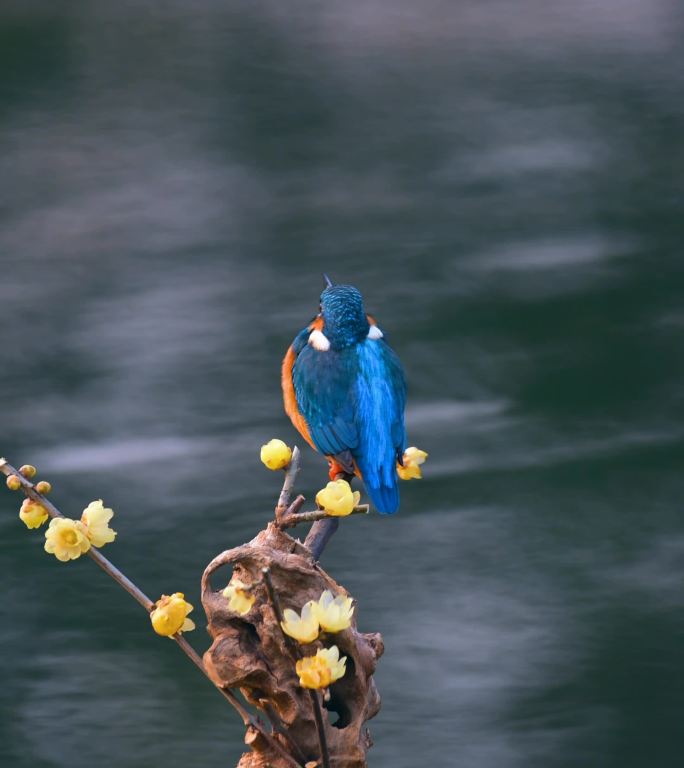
x: 502, y: 180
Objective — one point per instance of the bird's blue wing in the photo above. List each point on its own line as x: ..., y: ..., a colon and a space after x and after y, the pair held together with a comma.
x: 324, y: 384
x: 380, y: 397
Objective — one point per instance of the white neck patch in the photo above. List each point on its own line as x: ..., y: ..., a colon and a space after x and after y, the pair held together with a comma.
x: 375, y: 333
x: 319, y: 341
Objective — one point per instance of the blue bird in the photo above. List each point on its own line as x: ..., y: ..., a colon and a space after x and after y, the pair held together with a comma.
x: 344, y: 391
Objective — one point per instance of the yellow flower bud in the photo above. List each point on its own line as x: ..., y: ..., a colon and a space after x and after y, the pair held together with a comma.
x: 238, y: 600
x: 337, y: 498
x: 13, y: 483
x: 33, y: 514
x: 28, y: 471
x: 276, y: 454
x: 413, y: 458
x: 96, y: 519
x: 322, y: 669
x: 304, y: 628
x: 66, y: 539
x: 43, y: 487
x: 170, y: 615
x: 334, y: 614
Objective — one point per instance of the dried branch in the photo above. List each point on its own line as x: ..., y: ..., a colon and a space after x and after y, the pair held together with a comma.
x: 111, y: 570
x: 290, y: 520
x: 324, y: 525
x: 296, y: 655
x: 248, y: 652
x: 288, y: 484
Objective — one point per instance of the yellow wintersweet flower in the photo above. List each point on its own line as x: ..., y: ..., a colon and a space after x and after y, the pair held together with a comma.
x: 322, y: 669
x: 96, y: 519
x: 170, y: 615
x: 66, y: 539
x: 303, y: 628
x: 337, y: 498
x: 275, y: 454
x: 33, y: 514
x: 413, y: 458
x: 313, y: 672
x: 334, y: 614
x: 238, y: 600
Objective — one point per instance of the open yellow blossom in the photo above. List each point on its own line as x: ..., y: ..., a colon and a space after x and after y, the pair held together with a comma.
x: 275, y: 454
x: 413, y: 458
x: 238, y: 600
x: 170, y: 615
x: 96, y: 519
x: 303, y: 628
x: 33, y: 514
x: 334, y: 613
x: 66, y: 539
x: 313, y: 672
x: 336, y: 665
x: 322, y: 669
x: 337, y: 498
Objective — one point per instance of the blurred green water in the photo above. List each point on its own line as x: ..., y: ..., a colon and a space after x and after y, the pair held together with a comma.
x: 503, y: 184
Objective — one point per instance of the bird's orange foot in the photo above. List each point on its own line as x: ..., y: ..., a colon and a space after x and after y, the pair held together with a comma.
x: 336, y: 469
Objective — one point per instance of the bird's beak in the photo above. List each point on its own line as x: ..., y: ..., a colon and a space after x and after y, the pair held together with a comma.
x: 327, y: 280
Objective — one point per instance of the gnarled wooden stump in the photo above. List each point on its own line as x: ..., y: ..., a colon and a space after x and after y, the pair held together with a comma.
x: 249, y: 652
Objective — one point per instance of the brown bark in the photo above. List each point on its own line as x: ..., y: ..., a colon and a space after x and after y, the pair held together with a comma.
x: 250, y: 652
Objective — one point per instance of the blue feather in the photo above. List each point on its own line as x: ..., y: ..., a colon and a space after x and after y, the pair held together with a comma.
x: 299, y: 341
x: 323, y: 382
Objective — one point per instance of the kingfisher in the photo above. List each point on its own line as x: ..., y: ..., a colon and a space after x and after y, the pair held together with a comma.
x: 345, y: 391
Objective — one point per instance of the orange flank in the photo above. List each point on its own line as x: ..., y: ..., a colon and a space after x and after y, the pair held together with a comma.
x: 289, y: 397
x: 371, y: 320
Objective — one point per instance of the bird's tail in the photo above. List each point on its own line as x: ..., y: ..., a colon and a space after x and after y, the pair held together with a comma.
x: 385, y: 497
x: 382, y: 485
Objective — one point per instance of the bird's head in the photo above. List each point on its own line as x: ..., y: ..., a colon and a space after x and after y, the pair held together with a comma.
x: 344, y: 318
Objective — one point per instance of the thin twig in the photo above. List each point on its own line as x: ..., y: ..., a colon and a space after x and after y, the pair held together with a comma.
x: 93, y: 554
x: 247, y: 718
x: 288, y: 484
x: 296, y: 505
x: 289, y: 520
x: 320, y: 729
x: 296, y: 655
x: 277, y: 609
x: 278, y: 726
